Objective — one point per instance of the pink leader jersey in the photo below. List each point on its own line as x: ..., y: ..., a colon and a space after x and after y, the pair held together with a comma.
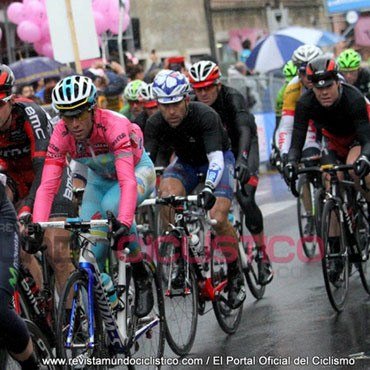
x: 112, y: 151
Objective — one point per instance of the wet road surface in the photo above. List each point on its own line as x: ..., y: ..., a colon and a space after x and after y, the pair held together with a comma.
x: 294, y: 325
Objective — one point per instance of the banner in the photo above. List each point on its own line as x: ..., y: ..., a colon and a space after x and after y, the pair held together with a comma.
x: 362, y: 31
x: 342, y: 6
x: 265, y: 128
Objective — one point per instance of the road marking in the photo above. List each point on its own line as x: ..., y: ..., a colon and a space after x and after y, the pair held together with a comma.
x: 269, y: 209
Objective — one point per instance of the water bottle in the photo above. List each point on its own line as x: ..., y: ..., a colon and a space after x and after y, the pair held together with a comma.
x: 109, y: 289
x: 230, y: 217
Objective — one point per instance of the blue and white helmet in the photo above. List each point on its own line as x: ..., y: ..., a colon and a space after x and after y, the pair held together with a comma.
x: 170, y: 87
x: 74, y: 94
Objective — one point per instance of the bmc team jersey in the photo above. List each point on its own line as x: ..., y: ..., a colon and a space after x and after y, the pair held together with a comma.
x: 200, y: 133
x: 343, y: 122
x: 112, y: 151
x: 236, y: 119
x: 23, y: 148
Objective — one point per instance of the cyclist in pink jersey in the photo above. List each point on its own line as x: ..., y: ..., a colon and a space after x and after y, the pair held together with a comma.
x: 119, y: 168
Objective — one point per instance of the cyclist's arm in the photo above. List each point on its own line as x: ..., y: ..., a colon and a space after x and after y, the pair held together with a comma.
x: 215, y: 168
x: 285, y: 133
x: 125, y: 169
x: 360, y: 111
x: 51, y: 176
x: 151, y: 140
x: 39, y: 137
x: 245, y: 123
x: 301, y: 119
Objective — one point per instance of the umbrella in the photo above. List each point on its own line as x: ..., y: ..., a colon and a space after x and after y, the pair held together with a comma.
x: 32, y: 69
x: 273, y: 51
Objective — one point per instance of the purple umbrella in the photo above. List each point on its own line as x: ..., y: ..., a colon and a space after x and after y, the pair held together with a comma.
x: 32, y: 69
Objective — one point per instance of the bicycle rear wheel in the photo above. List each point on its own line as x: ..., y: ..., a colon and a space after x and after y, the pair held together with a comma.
x: 181, y: 304
x: 335, y: 262
x: 76, y: 287
x: 306, y: 222
x: 227, y: 318
x: 150, y: 344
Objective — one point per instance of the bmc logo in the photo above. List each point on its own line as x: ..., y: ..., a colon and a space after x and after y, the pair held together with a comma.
x: 35, y: 122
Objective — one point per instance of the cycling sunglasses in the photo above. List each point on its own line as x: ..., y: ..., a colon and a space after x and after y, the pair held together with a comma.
x: 80, y: 116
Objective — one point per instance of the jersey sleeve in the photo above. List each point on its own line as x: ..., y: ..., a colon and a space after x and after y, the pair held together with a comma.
x: 51, y: 176
x: 300, y: 126
x: 212, y: 132
x: 151, y: 139
x: 37, y: 128
x: 118, y: 137
x: 361, y: 117
x: 245, y: 123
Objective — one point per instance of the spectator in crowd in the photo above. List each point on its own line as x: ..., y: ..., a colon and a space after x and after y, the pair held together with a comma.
x: 27, y: 92
x: 136, y: 72
x: 110, y: 81
x: 49, y: 84
x: 246, y: 44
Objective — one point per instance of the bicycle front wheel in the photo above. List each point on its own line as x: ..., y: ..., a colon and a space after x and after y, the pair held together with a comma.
x: 335, y: 262
x: 41, y: 349
x: 306, y: 214
x: 227, y: 318
x: 75, y: 293
x: 248, y: 254
x: 150, y: 330
x: 181, y: 302
x: 363, y: 239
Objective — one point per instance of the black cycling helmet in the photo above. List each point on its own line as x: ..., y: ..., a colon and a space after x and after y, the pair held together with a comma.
x: 322, y: 71
x: 6, y: 81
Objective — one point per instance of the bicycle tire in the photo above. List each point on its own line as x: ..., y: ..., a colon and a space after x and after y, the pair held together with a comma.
x: 249, y: 267
x: 227, y: 318
x: 152, y: 341
x: 337, y: 278
x: 362, y: 233
x: 41, y: 349
x: 80, y: 278
x: 319, y: 207
x: 181, y: 310
x: 309, y: 248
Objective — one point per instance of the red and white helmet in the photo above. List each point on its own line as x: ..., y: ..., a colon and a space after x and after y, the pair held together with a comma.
x: 204, y: 73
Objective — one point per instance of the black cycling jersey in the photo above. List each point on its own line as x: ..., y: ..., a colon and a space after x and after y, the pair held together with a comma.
x: 140, y: 120
x: 200, y: 133
x: 347, y: 119
x: 238, y: 122
x: 363, y: 82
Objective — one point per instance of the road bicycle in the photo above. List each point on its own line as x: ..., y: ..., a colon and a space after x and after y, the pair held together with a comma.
x: 41, y: 348
x: 345, y: 234
x: 310, y: 192
x: 87, y: 325
x: 204, y: 273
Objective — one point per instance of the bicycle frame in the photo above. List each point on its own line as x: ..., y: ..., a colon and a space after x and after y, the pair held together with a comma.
x: 117, y: 330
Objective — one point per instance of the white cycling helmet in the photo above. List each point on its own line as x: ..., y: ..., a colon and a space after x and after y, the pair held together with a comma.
x: 304, y: 54
x: 204, y: 73
x: 74, y: 94
x: 170, y: 87
x: 133, y: 90
x: 146, y: 93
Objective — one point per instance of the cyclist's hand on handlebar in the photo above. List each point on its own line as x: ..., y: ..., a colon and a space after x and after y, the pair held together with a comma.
x: 242, y: 170
x: 362, y: 166
x: 290, y: 172
x: 119, y: 233
x: 32, y: 235
x: 208, y: 199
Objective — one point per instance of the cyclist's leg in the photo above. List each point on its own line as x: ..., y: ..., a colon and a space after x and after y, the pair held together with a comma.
x: 13, y: 332
x: 57, y: 240
x: 91, y: 208
x: 178, y: 179
x: 145, y: 177
x: 226, y: 237
x: 253, y: 214
x: 353, y: 154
